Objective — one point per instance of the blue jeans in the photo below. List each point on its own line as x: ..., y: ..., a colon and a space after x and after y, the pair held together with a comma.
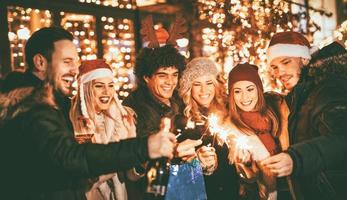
x: 186, y: 182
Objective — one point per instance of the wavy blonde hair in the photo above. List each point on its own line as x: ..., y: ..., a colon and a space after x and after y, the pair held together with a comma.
x: 191, y: 111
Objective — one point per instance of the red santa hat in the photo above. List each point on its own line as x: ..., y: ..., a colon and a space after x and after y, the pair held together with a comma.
x: 289, y: 43
x: 91, y: 70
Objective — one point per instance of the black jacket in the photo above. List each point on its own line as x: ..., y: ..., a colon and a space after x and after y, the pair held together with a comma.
x: 40, y: 157
x: 318, y: 129
x: 149, y: 110
x: 223, y: 183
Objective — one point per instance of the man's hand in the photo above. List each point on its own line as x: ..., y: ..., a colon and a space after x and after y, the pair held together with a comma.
x: 186, y: 149
x: 207, y: 157
x: 280, y: 164
x: 161, y: 144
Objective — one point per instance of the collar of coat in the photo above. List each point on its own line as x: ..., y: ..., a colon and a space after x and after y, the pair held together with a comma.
x: 142, y: 96
x: 334, y: 67
x: 331, y: 68
x: 21, y: 100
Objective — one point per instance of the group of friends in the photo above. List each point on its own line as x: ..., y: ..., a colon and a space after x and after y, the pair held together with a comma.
x: 93, y: 146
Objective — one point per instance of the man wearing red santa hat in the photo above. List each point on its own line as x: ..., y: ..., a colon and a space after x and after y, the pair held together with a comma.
x: 317, y: 123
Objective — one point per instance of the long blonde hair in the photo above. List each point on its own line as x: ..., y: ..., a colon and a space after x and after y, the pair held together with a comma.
x: 191, y: 111
x: 80, y: 124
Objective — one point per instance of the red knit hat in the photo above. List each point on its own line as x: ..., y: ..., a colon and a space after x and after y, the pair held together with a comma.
x: 245, y: 72
x: 93, y: 69
x: 290, y: 43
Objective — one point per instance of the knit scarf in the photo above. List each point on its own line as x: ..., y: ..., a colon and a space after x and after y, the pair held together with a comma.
x: 262, y: 127
x: 120, y: 125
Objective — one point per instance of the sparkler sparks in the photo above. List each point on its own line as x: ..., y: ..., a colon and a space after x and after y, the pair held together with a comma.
x: 242, y: 142
x: 223, y: 133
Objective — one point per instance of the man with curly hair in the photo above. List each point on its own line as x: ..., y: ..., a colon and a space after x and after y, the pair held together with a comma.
x: 157, y: 71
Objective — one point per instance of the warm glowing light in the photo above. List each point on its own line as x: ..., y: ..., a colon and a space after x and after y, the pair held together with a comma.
x: 23, y: 33
x: 242, y: 142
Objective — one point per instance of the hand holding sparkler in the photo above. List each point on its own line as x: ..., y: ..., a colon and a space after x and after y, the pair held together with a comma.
x: 280, y: 164
x: 208, y: 159
x: 245, y: 148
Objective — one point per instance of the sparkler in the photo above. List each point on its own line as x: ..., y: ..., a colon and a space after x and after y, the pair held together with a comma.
x: 224, y: 133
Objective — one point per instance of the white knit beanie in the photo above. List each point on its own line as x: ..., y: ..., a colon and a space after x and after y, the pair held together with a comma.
x: 196, y: 68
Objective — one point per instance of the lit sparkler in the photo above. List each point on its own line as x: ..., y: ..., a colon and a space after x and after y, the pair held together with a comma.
x: 224, y: 133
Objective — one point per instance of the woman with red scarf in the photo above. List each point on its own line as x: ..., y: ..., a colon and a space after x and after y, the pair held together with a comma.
x: 262, y: 119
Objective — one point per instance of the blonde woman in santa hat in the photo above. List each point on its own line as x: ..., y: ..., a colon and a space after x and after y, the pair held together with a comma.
x: 98, y: 117
x: 262, y: 120
x: 203, y: 95
x: 317, y: 93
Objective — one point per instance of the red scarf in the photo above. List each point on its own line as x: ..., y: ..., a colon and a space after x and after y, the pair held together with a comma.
x: 262, y: 127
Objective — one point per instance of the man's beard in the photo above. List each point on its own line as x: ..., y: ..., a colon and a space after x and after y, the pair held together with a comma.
x: 51, y: 78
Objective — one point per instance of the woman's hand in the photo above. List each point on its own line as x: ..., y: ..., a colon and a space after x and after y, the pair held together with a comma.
x: 237, y: 154
x: 208, y: 158
x: 186, y: 149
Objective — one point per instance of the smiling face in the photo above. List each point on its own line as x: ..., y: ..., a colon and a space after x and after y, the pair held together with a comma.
x: 203, y: 90
x: 64, y: 66
x: 287, y: 70
x: 103, y: 91
x: 245, y: 94
x: 162, y: 83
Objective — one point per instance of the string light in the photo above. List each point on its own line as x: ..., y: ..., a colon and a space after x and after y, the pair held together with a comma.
x: 122, y: 4
x: 81, y: 27
x: 239, y: 31
x: 119, y: 50
x: 22, y: 23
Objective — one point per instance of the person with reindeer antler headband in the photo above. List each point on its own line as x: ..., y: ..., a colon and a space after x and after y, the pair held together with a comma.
x: 158, y: 68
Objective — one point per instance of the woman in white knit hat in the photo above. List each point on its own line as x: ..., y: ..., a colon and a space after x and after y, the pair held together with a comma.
x: 204, y: 95
x: 98, y: 117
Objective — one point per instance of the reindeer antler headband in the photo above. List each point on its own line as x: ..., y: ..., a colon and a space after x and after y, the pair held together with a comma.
x: 177, y: 31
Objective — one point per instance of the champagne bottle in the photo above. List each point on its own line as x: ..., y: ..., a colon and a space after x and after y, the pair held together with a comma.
x: 158, y: 173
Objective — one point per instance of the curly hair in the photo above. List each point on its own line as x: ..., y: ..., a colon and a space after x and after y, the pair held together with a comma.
x: 150, y: 60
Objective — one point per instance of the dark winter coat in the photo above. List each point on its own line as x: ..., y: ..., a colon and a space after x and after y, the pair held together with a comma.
x: 40, y: 158
x: 318, y: 129
x: 19, y: 80
x: 148, y: 111
x: 223, y: 183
